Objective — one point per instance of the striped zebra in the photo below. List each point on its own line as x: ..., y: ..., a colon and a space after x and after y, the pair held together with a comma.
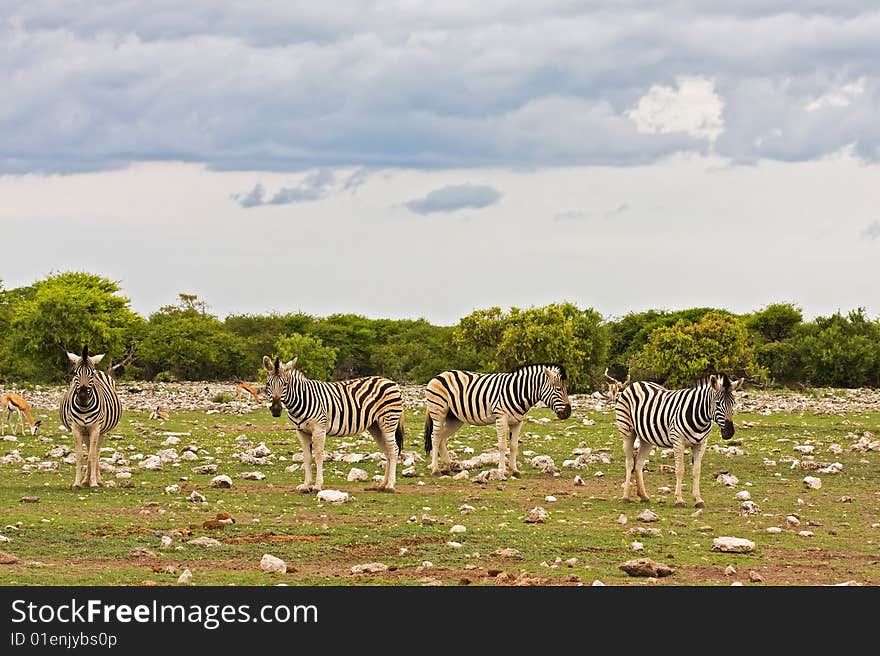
x: 675, y: 419
x: 349, y: 407
x: 90, y: 408
x: 455, y: 398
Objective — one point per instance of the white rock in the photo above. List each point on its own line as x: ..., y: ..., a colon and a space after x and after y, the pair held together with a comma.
x: 188, y: 455
x: 727, y: 479
x: 408, y: 472
x: 549, y: 498
x: 221, y: 481
x: 270, y: 563
x: 537, y: 515
x: 597, y: 583
x: 3, y: 538
x: 355, y: 474
x: 185, y: 577
x: 151, y: 462
x: 463, y: 475
x: 195, y: 497
x: 167, y: 455
x: 805, y: 534
x: 123, y: 474
x: 749, y: 508
x: 369, y: 568
x: 622, y: 519
x: 773, y: 529
x: 732, y: 545
x: 636, y: 546
x: 208, y: 543
x: 454, y: 545
x: 458, y: 528
x: 812, y: 483
x: 743, y: 495
x: 730, y: 570
x: 792, y: 521
x: 261, y: 451
x: 544, y: 463
x: 332, y: 496
x: 172, y: 489
x: 579, y: 481
x: 648, y: 516
x: 165, y: 542
x: 251, y: 476
x: 171, y: 441
x: 464, y: 509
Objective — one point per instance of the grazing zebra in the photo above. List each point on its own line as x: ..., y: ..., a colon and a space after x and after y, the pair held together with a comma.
x: 455, y: 398
x: 89, y: 409
x: 675, y: 419
x: 349, y: 407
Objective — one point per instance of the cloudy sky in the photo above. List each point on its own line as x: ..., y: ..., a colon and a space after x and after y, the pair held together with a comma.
x: 423, y: 159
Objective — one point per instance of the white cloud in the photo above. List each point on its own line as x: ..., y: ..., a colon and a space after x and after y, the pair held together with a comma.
x: 843, y: 96
x: 872, y: 231
x: 692, y: 107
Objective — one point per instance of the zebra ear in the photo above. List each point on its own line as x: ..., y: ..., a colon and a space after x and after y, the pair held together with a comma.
x: 73, y: 357
x: 267, y: 362
x: 737, y: 384
x: 292, y: 363
x: 714, y: 382
x: 95, y: 359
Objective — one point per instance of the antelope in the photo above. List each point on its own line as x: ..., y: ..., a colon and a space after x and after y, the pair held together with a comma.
x: 242, y: 387
x: 614, y: 386
x: 10, y: 401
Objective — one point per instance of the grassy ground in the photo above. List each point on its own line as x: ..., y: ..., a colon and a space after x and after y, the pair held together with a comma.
x: 81, y: 537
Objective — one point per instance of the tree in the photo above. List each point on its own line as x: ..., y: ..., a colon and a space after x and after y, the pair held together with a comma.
x: 312, y: 357
x: 185, y: 342
x: 775, y: 322
x: 840, y: 351
x: 677, y: 355
x: 65, y: 312
x: 772, y: 330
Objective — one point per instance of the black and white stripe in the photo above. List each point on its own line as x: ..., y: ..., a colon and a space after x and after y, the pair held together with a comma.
x: 89, y: 408
x: 320, y: 408
x: 676, y: 419
x: 455, y: 398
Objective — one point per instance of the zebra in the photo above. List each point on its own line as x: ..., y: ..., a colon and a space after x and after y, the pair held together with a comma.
x: 675, y: 419
x: 349, y: 407
x: 456, y: 397
x: 89, y: 408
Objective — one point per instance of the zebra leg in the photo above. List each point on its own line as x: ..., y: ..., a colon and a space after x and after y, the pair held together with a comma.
x: 514, y: 448
x: 305, y: 441
x: 318, y: 445
x: 94, y: 452
x: 628, y: 441
x: 641, y: 456
x: 387, y: 443
x: 502, y: 427
x: 678, y: 445
x: 78, y: 448
x: 697, y: 451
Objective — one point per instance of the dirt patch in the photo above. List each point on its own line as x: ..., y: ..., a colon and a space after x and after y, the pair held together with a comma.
x: 271, y: 537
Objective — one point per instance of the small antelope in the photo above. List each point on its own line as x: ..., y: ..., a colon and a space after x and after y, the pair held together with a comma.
x: 243, y: 387
x: 614, y: 387
x: 10, y: 401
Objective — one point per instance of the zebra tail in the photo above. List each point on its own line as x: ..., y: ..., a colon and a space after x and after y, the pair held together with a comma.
x: 398, y: 434
x: 429, y: 428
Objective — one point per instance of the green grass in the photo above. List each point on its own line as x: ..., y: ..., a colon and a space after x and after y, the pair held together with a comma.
x: 80, y: 537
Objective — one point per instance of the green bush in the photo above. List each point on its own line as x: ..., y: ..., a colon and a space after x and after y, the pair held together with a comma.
x: 312, y: 357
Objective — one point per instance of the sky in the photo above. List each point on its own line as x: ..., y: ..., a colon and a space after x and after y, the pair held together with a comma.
x: 418, y: 159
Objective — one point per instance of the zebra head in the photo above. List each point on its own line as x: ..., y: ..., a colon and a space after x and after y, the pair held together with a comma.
x: 278, y: 382
x: 553, y: 391
x: 725, y: 403
x: 614, y: 387
x: 83, y: 381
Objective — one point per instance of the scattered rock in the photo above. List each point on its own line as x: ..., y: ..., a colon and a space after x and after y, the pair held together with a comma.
x: 646, y: 567
x: 743, y: 495
x: 369, y: 568
x: 270, y: 563
x: 196, y: 497
x: 29, y: 500
x: 151, y: 463
x: 730, y: 570
x: 172, y: 489
x: 732, y: 545
x: 355, y: 474
x: 754, y: 577
x: 457, y: 528
x: 185, y: 577
x: 221, y: 481
x: 507, y: 552
x: 812, y: 483
x: 165, y: 542
x: 251, y: 476
x: 537, y: 515
x: 208, y: 543
x: 648, y: 516
x: 7, y: 559
x: 332, y: 496
x: 141, y: 552
x: 579, y: 481
x: 205, y: 469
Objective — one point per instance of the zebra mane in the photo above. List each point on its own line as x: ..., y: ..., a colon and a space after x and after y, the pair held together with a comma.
x: 704, y: 380
x: 549, y: 365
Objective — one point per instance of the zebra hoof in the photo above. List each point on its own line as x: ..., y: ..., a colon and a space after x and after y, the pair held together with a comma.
x: 76, y: 486
x: 626, y: 500
x: 699, y: 504
x: 304, y: 489
x: 681, y: 504
x: 516, y: 473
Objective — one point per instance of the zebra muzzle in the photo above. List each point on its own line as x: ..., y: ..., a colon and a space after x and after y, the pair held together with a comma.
x: 275, y: 408
x: 565, y: 413
x: 728, y: 430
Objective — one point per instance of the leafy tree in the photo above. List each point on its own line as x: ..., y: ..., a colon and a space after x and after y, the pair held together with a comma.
x: 415, y: 351
x: 679, y: 354
x: 260, y: 332
x: 185, y: 342
x: 772, y: 330
x: 560, y: 333
x: 353, y: 337
x: 840, y: 351
x: 775, y: 322
x: 65, y: 312
x: 312, y: 357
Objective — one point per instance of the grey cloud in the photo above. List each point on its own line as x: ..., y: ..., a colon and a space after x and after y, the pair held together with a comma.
x: 288, y: 87
x: 455, y: 197
x: 571, y: 215
x: 872, y: 231
x: 617, y: 211
x: 252, y: 198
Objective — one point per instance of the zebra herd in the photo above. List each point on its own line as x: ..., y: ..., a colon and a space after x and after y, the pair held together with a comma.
x: 644, y: 411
